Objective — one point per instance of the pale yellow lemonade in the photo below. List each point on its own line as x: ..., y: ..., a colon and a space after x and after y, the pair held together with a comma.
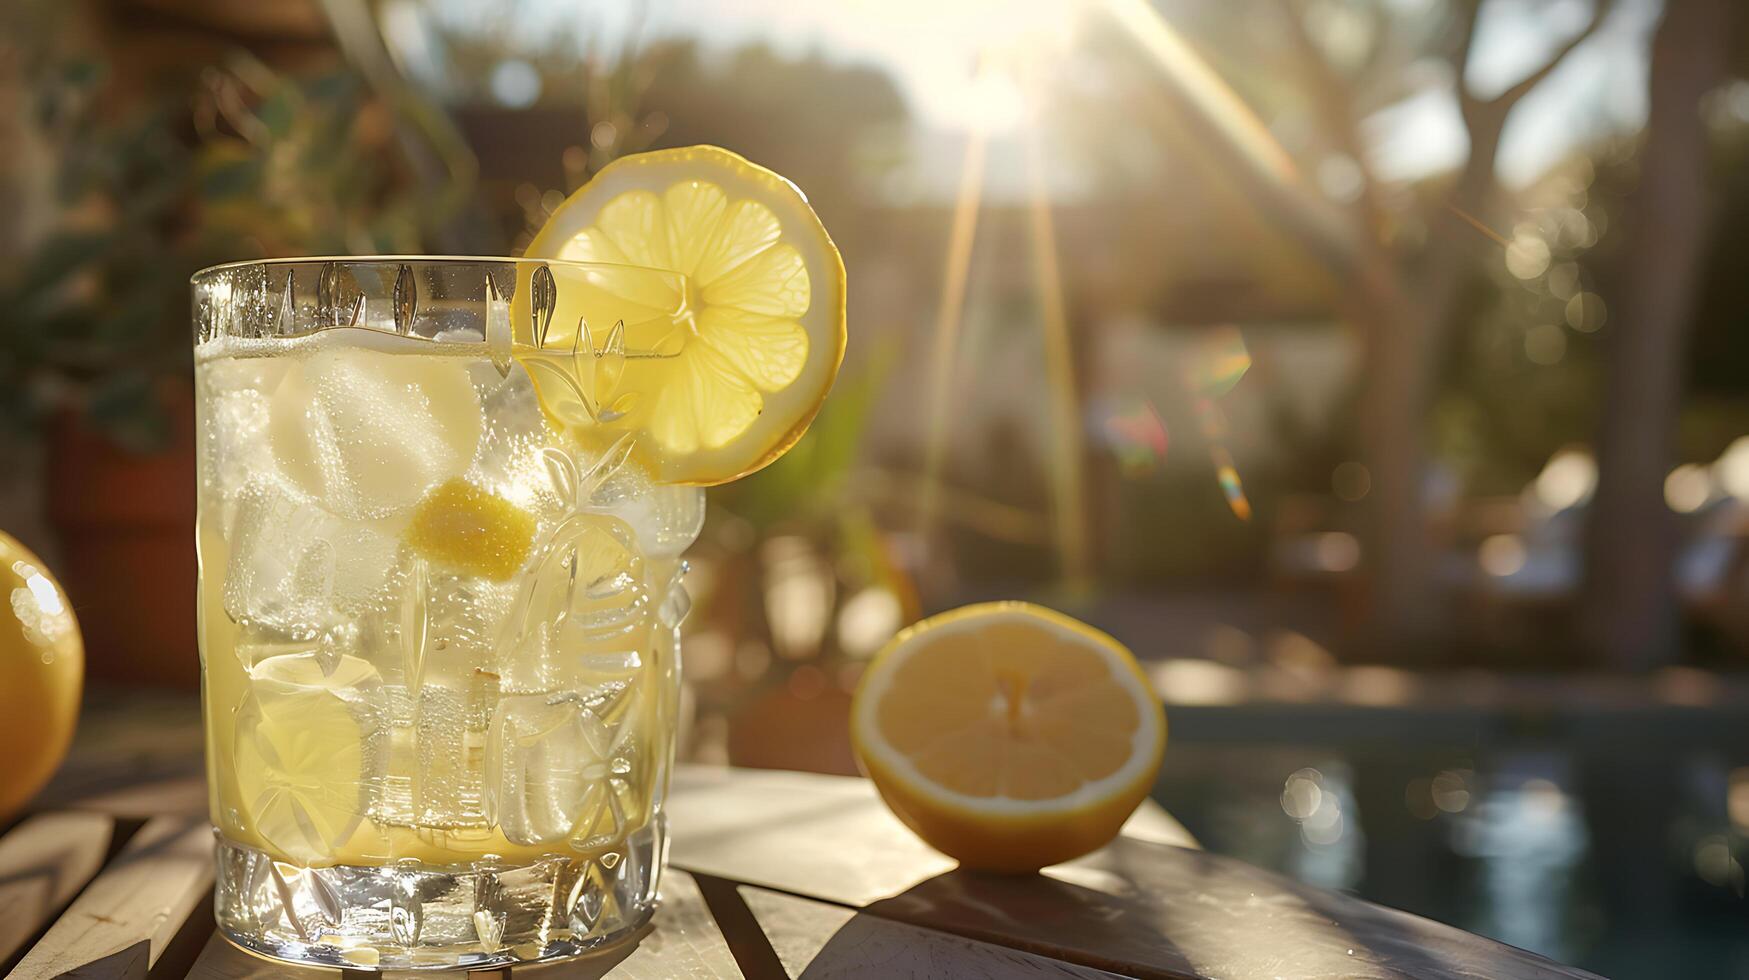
x: 432, y: 628
x: 443, y: 507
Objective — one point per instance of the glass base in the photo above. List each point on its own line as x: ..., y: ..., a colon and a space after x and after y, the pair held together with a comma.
x: 411, y: 915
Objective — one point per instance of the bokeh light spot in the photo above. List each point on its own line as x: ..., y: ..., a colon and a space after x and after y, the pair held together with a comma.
x: 1586, y: 312
x: 1351, y: 481
x: 867, y: 620
x: 1501, y: 555
x: 1563, y: 280
x: 1737, y: 799
x: 515, y: 83
x: 1340, y: 179
x: 1715, y: 863
x: 1732, y: 469
x: 1337, y: 551
x: 1567, y: 479
x: 1190, y: 681
x: 1545, y: 344
x: 1527, y: 256
x: 1687, y: 488
x: 1451, y: 791
x: 1303, y: 794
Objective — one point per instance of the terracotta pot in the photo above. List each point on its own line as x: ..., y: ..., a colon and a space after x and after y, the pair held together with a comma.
x: 126, y: 526
x: 783, y: 731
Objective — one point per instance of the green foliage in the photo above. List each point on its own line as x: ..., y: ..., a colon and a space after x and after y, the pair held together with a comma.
x: 97, y: 307
x: 812, y: 481
x: 301, y: 166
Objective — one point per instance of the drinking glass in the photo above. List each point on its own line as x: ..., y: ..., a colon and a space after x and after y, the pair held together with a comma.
x: 438, y: 636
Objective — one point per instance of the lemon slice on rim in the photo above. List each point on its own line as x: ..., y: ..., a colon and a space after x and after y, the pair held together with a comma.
x: 1007, y: 735
x: 717, y: 369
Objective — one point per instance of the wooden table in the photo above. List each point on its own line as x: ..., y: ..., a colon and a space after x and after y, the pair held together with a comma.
x: 773, y: 875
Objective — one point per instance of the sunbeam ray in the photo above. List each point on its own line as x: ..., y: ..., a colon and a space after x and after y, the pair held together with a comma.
x: 949, y: 315
x: 1068, y: 496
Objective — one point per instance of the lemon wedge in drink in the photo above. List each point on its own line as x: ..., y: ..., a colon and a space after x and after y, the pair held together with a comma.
x: 471, y: 530
x: 1007, y: 735
x: 716, y: 369
x: 308, y: 746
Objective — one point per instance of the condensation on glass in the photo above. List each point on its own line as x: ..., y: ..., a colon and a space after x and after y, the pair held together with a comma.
x: 439, y: 641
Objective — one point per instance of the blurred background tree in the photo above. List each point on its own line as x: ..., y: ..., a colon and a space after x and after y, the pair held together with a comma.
x: 1248, y: 272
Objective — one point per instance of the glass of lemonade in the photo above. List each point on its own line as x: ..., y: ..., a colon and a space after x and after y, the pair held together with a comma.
x: 439, y: 638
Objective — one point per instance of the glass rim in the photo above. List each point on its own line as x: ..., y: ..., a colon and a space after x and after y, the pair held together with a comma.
x: 399, y: 259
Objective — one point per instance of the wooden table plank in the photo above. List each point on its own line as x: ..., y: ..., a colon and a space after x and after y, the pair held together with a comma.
x: 219, y: 960
x: 44, y: 861
x: 788, y: 830
x: 184, y: 796
x: 1152, y: 911
x: 125, y: 919
x: 743, y: 824
x: 814, y: 939
x: 136, y: 754
x: 682, y: 942
x: 1135, y: 907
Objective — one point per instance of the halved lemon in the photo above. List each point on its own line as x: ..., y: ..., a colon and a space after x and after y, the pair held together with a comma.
x: 1007, y: 735
x: 716, y: 369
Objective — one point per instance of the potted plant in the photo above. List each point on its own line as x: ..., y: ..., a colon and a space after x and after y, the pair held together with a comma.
x: 94, y: 346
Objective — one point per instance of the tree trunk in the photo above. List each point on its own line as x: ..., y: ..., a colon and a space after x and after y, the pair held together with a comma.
x: 1398, y: 582
x: 1408, y: 337
x: 1629, y: 614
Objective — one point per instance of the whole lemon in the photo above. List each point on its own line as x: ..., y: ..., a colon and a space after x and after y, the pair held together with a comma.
x: 42, y: 663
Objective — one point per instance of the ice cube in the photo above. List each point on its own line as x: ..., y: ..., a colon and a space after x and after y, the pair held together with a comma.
x: 233, y: 426
x: 311, y: 750
x: 510, y: 460
x: 368, y: 432
x: 256, y: 645
x: 544, y: 756
x: 298, y: 569
x: 464, y: 617
x: 664, y: 518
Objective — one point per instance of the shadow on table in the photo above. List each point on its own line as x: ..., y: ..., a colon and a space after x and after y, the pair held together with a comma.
x: 1149, y: 910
